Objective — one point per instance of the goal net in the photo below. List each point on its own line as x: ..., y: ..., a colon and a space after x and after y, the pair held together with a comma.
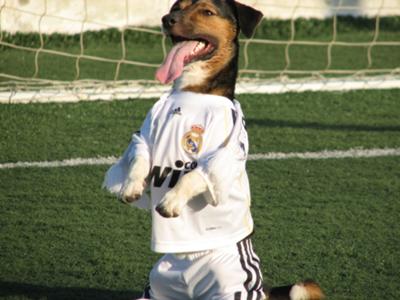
x: 90, y: 50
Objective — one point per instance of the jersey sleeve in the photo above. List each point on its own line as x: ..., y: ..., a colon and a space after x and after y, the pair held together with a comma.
x: 140, y: 144
x: 222, y: 167
x: 141, y: 141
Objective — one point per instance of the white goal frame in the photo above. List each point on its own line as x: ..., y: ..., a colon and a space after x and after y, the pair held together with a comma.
x: 19, y: 89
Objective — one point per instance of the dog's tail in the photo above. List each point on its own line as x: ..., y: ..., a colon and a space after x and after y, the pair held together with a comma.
x: 305, y: 290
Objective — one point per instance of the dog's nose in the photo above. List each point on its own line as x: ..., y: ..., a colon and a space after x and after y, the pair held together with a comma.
x: 168, y: 21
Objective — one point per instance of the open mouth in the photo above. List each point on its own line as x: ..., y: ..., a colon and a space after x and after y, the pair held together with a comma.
x: 203, y: 49
x: 184, y: 52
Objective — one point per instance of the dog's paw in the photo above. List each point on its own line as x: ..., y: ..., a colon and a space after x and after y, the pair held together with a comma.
x: 132, y: 191
x: 171, y: 205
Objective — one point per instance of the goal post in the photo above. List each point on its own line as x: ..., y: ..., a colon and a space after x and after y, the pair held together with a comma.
x: 72, y: 55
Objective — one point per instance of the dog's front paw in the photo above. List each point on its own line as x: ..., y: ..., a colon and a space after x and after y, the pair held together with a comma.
x: 132, y: 191
x: 171, y: 205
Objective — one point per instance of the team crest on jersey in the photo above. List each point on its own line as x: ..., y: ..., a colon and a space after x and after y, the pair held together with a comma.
x: 192, y: 141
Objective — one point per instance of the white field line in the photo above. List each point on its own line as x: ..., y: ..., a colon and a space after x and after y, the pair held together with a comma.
x: 72, y: 162
x: 123, y: 90
x: 326, y: 154
x: 351, y: 153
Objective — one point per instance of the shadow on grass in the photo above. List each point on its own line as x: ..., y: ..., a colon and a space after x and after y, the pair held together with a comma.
x: 319, y: 126
x: 36, y: 292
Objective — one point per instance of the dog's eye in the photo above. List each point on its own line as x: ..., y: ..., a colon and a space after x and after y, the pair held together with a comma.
x: 208, y: 12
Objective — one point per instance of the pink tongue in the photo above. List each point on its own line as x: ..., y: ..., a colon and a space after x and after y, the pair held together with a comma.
x: 172, y: 67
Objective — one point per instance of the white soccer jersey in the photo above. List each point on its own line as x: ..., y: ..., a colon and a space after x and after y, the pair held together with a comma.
x: 189, y: 132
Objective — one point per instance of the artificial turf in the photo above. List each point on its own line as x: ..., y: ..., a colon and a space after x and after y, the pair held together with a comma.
x: 335, y: 220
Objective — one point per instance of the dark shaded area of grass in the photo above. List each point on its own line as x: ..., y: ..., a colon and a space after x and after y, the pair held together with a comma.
x: 291, y: 122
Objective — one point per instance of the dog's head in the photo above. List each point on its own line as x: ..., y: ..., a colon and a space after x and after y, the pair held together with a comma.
x: 205, y: 37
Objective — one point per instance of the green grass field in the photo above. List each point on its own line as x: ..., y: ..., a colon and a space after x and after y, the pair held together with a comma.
x: 147, y: 47
x: 335, y: 220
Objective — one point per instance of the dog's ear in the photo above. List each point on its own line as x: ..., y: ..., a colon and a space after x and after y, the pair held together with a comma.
x: 248, y: 18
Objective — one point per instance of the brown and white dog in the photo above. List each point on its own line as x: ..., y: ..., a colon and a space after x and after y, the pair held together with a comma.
x: 204, y: 59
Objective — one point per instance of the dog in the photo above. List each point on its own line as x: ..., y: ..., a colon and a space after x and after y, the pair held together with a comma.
x: 202, y: 65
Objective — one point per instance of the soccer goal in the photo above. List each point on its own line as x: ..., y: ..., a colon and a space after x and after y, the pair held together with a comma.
x: 100, y: 50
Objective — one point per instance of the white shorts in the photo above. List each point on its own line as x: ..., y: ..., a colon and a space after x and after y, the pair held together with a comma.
x: 229, y: 273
